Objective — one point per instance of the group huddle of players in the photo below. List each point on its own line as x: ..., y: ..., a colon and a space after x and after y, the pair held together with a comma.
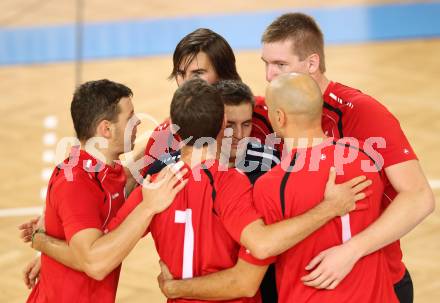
x: 298, y: 196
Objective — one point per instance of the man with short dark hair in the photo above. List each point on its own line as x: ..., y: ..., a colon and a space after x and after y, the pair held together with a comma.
x: 84, y: 194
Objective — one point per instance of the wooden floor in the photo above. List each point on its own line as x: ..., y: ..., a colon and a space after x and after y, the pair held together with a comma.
x: 403, y: 75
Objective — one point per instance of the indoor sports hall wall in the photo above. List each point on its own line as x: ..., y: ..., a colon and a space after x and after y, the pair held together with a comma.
x: 389, y: 49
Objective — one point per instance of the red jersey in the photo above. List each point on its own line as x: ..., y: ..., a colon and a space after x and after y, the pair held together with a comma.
x: 162, y: 141
x: 350, y: 113
x: 79, y: 198
x: 200, y: 232
x: 284, y: 193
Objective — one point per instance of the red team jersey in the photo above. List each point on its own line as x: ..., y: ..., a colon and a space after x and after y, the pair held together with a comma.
x: 281, y: 194
x: 78, y: 199
x: 162, y: 141
x: 200, y: 232
x: 350, y: 113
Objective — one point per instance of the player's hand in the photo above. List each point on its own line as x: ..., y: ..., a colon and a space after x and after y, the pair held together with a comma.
x: 341, y: 198
x: 330, y: 267
x: 158, y: 195
x: 31, y: 272
x: 26, y: 229
x: 165, y: 279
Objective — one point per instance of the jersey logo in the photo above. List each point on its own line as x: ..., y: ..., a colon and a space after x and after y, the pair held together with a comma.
x: 340, y: 101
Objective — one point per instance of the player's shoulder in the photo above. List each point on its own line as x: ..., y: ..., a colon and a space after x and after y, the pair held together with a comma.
x: 75, y: 180
x: 229, y: 177
x: 363, y: 162
x: 260, y: 101
x: 164, y: 125
x: 163, y: 161
x: 349, y: 99
x: 260, y: 107
x: 270, y: 179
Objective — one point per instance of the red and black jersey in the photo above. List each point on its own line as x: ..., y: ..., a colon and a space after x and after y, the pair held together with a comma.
x: 350, y: 113
x: 79, y: 197
x: 200, y: 232
x: 297, y: 185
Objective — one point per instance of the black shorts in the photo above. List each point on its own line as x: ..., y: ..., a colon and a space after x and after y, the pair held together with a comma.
x: 268, y: 286
x: 404, y: 289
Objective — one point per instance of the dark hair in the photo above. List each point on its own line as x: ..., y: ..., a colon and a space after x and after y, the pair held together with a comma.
x: 93, y: 102
x: 304, y: 32
x: 197, y: 109
x: 234, y: 92
x: 213, y: 45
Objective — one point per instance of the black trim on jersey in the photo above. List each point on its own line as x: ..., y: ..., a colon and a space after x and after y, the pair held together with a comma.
x: 339, y: 113
x: 211, y: 181
x: 284, y: 182
x: 99, y: 183
x: 262, y: 118
x: 362, y: 151
x: 162, y: 162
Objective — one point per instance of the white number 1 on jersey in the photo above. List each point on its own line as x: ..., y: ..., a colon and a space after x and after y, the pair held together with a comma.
x: 346, y: 229
x: 185, y: 217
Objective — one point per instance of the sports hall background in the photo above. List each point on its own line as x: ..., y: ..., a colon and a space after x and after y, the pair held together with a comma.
x: 389, y: 49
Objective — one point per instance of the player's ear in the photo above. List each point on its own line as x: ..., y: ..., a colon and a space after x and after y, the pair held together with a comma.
x: 104, y: 129
x: 280, y: 118
x: 313, y: 63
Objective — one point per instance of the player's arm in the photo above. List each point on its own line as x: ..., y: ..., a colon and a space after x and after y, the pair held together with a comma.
x: 413, y: 202
x: 265, y: 241
x: 242, y: 280
x: 56, y: 249
x: 97, y: 254
x: 59, y: 249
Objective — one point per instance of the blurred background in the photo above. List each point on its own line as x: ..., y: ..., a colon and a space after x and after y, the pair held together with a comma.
x: 388, y: 49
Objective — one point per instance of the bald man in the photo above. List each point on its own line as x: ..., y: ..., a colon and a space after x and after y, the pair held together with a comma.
x: 291, y: 189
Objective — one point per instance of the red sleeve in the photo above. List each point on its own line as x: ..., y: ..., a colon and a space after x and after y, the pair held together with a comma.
x: 261, y: 126
x: 260, y: 120
x: 78, y: 205
x: 369, y: 120
x: 129, y: 205
x: 268, y: 207
x: 234, y: 203
x: 160, y: 142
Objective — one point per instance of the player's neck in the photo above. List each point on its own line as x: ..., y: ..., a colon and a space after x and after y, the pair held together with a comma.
x: 322, y: 81
x: 303, y: 139
x: 193, y: 156
x: 104, y: 155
